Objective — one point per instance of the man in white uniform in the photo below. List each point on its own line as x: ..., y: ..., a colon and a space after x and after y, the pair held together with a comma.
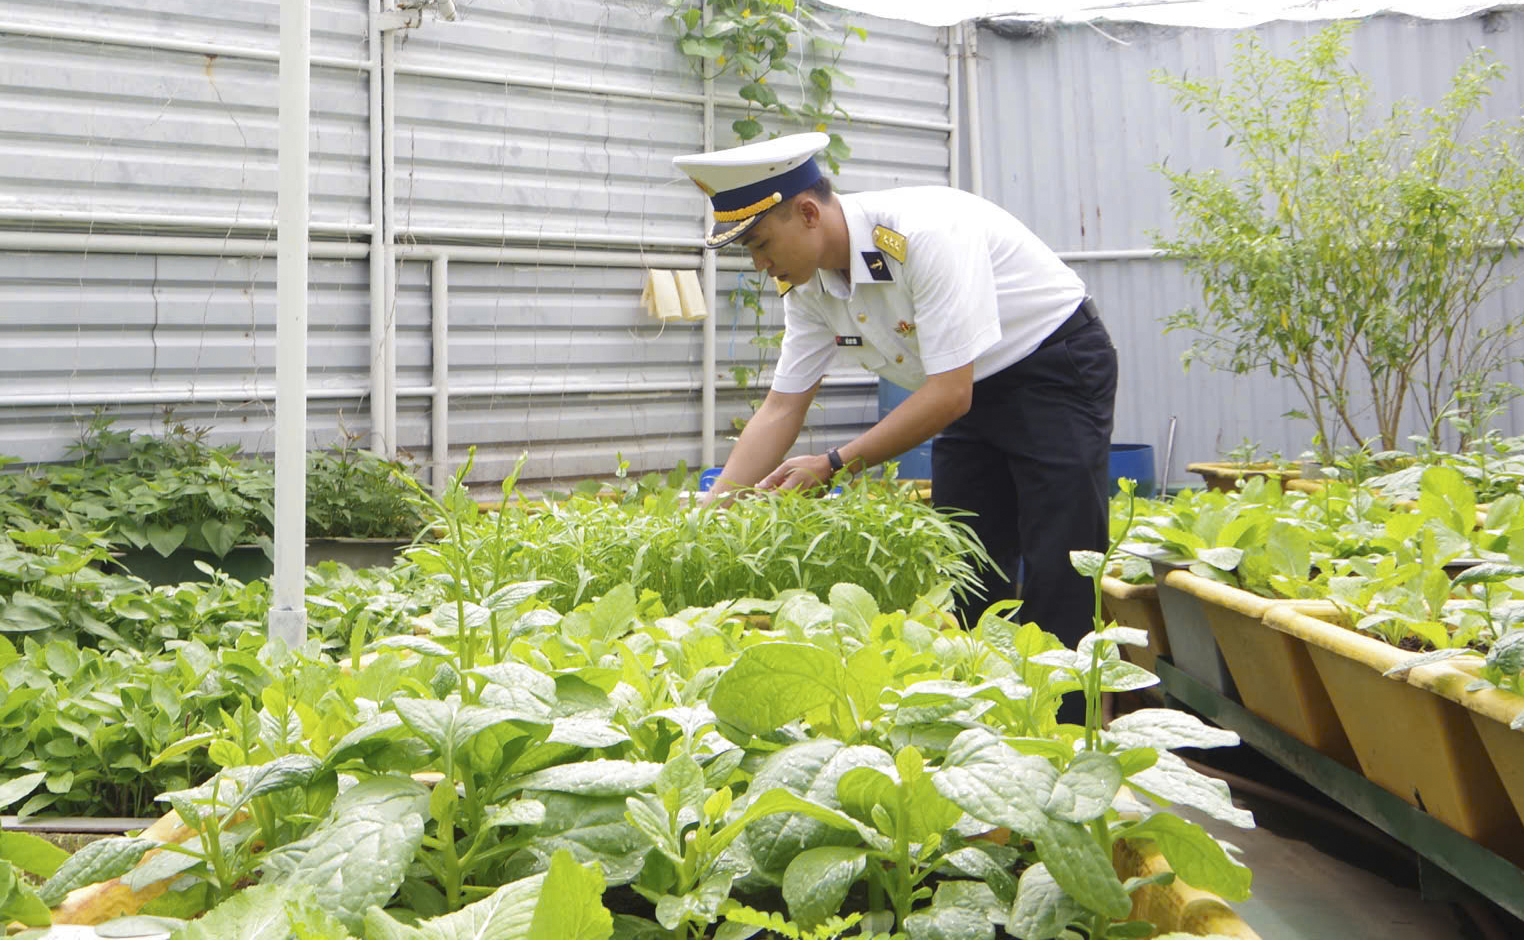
x: 947, y: 294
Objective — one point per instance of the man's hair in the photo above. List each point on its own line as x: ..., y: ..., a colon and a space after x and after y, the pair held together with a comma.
x: 820, y: 189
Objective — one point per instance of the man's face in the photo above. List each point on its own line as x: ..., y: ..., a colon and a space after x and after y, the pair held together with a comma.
x: 784, y: 245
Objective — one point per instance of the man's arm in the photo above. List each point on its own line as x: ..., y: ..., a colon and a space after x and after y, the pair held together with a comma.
x: 944, y: 398
x: 766, y: 438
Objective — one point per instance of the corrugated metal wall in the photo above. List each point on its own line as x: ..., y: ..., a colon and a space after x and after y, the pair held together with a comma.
x: 92, y: 128
x: 1073, y: 124
x: 554, y: 123
x: 524, y: 123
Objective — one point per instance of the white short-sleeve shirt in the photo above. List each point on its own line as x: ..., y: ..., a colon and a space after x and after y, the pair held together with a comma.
x: 975, y: 286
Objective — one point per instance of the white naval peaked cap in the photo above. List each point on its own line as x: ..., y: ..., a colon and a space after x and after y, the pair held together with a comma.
x: 744, y: 182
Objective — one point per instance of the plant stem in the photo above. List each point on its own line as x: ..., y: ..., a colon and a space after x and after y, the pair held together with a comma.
x: 211, y: 835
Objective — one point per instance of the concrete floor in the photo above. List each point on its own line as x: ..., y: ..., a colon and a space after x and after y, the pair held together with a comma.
x: 1315, y: 879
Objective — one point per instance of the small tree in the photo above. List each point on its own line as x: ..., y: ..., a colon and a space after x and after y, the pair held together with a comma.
x: 1351, y: 256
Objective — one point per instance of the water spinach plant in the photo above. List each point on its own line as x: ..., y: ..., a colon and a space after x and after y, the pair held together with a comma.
x: 874, y: 533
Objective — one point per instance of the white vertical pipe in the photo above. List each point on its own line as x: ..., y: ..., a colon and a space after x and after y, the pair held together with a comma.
x: 389, y: 228
x: 378, y: 389
x: 288, y: 613
x: 711, y: 362
x: 971, y: 83
x: 954, y: 105
x: 439, y: 435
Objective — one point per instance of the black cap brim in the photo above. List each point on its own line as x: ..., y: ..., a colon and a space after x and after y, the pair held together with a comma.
x: 724, y: 233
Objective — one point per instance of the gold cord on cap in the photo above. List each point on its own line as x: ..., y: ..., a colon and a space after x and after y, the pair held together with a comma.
x: 761, y: 205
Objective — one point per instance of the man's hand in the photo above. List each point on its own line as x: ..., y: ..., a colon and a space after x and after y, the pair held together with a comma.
x: 720, y: 500
x: 809, y: 472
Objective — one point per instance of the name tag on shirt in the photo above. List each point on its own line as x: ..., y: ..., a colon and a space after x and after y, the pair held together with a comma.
x: 849, y: 340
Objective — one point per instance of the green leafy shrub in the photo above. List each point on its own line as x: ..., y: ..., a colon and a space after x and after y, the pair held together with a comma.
x: 1493, y: 466
x: 52, y: 586
x: 1350, y: 254
x: 173, y: 490
x: 355, y: 493
x: 167, y: 491
x: 90, y: 730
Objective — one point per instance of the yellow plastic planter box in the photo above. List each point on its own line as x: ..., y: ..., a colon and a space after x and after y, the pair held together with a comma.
x: 1225, y: 476
x: 1491, y: 712
x: 1421, y: 747
x: 103, y: 901
x: 1137, y: 605
x: 1273, y: 670
x: 1175, y: 907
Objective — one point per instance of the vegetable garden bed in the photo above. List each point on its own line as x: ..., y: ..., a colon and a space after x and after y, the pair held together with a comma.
x: 603, y: 764
x: 845, y: 781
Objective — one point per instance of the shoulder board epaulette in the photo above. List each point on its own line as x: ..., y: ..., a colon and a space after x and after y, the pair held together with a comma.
x: 890, y: 242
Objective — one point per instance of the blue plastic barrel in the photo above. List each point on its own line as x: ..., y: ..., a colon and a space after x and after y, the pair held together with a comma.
x: 1135, y: 461
x: 915, y: 464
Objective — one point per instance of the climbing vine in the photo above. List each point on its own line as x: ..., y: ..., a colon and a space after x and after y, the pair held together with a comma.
x: 765, y: 46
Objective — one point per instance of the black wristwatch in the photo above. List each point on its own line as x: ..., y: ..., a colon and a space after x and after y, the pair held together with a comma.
x: 835, y: 458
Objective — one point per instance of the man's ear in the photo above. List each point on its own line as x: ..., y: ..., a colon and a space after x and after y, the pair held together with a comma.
x: 808, y: 208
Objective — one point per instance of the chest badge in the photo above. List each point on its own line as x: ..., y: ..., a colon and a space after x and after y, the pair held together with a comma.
x: 905, y: 328
x: 849, y: 340
x: 878, y: 269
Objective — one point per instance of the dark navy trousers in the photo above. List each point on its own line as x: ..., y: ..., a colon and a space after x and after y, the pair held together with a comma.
x: 1029, y: 459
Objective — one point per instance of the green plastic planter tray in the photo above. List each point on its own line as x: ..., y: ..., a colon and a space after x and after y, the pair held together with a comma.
x: 1193, y: 648
x: 244, y: 562
x: 356, y: 553
x: 250, y: 563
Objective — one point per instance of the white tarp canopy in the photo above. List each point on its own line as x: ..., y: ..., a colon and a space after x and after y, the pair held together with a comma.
x: 1221, y: 14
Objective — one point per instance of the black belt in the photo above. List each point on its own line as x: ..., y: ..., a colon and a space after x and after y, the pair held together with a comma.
x: 1084, y: 314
